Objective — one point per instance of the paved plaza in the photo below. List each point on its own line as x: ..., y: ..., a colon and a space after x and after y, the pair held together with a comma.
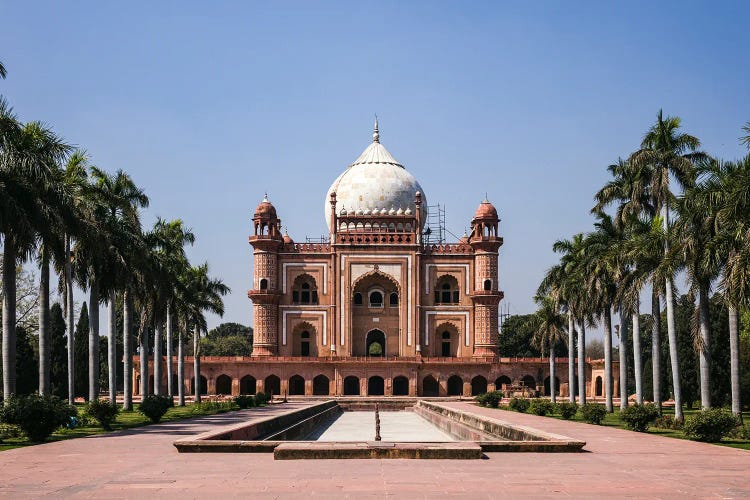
x: 143, y: 463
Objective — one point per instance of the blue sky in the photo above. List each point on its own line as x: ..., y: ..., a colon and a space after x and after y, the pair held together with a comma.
x: 209, y: 106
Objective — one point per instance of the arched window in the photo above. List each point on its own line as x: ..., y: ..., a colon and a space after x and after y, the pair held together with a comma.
x: 487, y: 285
x: 305, y: 343
x: 393, y: 300
x: 446, y: 344
x: 376, y: 299
x: 305, y: 290
x: 264, y: 284
x: 446, y: 291
x: 357, y: 299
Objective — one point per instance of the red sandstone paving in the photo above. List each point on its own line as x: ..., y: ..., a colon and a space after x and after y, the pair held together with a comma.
x: 143, y: 463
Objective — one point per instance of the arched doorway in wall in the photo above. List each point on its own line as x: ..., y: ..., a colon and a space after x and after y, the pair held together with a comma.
x: 296, y: 386
x: 546, y: 387
x: 321, y: 386
x: 430, y: 387
x: 529, y: 381
x: 375, y: 386
x: 223, y: 385
x: 175, y: 384
x: 478, y: 385
x: 500, y: 381
x: 351, y: 386
x: 599, y: 386
x: 247, y: 385
x: 272, y: 385
x: 204, y: 385
x: 455, y: 386
x: 375, y: 343
x: 400, y: 386
x: 304, y: 340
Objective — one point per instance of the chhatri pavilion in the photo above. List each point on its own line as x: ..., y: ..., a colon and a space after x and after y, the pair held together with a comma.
x: 377, y: 309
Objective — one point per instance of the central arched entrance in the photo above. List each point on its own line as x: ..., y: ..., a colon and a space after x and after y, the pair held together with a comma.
x: 375, y: 343
x: 375, y: 386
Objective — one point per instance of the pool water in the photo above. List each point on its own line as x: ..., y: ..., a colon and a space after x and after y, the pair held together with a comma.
x: 396, y: 426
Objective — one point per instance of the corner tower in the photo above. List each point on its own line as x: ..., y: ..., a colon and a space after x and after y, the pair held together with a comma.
x: 266, y: 241
x: 485, y: 241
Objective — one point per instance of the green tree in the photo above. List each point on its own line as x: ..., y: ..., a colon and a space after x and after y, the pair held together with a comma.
x: 231, y: 330
x: 549, y: 334
x: 515, y: 337
x: 58, y: 353
x: 27, y: 381
x: 81, y: 340
x: 232, y: 345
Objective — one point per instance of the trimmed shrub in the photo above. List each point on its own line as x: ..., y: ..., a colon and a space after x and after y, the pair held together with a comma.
x: 593, y: 413
x: 667, y: 422
x: 38, y: 416
x: 639, y: 417
x: 103, y: 411
x: 566, y: 409
x: 154, y: 407
x: 519, y: 404
x: 490, y: 399
x: 710, y: 425
x: 244, y: 401
x: 262, y: 398
x: 541, y: 406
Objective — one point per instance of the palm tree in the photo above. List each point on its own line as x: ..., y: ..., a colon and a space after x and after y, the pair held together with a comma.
x: 200, y: 293
x: 121, y: 199
x: 698, y: 252
x: 549, y: 333
x: 564, y: 282
x: 29, y: 157
x: 724, y: 194
x: 3, y: 72
x: 666, y: 153
x: 604, y: 270
x: 630, y: 189
x: 75, y: 180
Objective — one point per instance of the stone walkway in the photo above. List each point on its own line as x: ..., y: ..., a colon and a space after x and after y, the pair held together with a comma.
x: 143, y: 463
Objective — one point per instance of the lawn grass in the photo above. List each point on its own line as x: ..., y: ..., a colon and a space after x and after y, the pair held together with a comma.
x: 613, y: 420
x: 125, y: 420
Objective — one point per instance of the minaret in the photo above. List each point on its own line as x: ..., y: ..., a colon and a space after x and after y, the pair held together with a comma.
x: 486, y: 296
x: 267, y: 240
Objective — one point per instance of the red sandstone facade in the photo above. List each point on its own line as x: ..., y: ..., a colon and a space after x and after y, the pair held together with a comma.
x: 376, y: 310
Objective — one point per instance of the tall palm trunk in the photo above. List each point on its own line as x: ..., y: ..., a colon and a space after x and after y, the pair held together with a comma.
x: 44, y: 359
x: 704, y: 354
x: 608, y: 359
x: 672, y: 334
x: 70, y: 320
x: 734, y: 359
x: 158, y: 335
x: 571, y: 359
x: 552, y: 374
x: 197, y: 364
x: 623, y: 360
x: 143, y: 348
x: 656, y: 347
x: 93, y: 339
x: 112, y: 348
x: 170, y: 382
x: 637, y: 367
x: 180, y: 370
x: 9, y: 318
x: 127, y: 351
x: 582, y: 364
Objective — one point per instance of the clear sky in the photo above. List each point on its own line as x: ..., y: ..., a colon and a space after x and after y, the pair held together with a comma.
x: 210, y: 104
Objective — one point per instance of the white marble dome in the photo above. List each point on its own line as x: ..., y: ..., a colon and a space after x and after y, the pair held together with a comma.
x: 375, y: 180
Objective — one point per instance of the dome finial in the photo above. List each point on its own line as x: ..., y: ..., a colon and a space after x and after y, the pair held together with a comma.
x: 265, y: 196
x: 375, y: 133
